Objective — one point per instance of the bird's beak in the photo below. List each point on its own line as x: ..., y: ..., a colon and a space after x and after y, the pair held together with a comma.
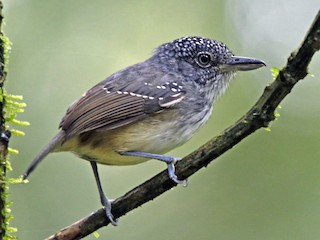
x: 237, y: 63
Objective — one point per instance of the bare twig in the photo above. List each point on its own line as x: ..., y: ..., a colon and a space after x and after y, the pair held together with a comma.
x: 260, y: 115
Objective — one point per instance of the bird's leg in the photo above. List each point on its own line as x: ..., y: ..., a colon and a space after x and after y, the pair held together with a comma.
x: 169, y: 160
x: 104, y: 200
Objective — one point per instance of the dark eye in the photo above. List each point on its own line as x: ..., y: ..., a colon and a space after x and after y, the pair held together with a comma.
x: 204, y: 59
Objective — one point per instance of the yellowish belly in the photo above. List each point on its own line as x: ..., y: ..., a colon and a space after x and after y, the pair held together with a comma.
x: 104, y: 146
x: 157, y: 134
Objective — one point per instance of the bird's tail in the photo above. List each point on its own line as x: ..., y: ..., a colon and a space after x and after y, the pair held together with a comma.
x: 44, y: 152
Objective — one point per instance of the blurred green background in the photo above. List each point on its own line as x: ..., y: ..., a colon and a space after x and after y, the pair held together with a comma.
x: 267, y: 187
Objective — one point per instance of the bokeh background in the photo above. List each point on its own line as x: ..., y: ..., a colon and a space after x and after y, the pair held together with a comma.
x: 267, y: 187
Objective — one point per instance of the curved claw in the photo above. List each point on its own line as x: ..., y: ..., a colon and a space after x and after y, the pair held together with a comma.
x: 107, y: 207
x: 174, y: 177
x: 185, y: 183
x: 109, y: 215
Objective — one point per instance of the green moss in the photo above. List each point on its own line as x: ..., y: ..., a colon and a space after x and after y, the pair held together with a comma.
x: 6, y: 50
x: 275, y: 72
x: 11, y: 107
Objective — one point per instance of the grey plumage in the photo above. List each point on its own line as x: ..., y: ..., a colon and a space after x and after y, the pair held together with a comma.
x: 149, y: 108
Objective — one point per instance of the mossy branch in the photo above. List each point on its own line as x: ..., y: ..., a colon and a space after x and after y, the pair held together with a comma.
x: 10, y: 106
x: 259, y: 116
x: 4, y: 138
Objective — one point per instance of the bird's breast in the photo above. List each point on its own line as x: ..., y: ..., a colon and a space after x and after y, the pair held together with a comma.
x: 157, y: 133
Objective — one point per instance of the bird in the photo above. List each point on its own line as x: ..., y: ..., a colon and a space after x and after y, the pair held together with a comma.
x: 147, y: 109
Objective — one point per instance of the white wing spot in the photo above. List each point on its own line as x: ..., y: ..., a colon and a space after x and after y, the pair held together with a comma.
x: 104, y: 88
x: 174, y: 90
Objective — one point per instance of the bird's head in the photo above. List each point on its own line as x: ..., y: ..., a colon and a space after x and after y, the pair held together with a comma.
x: 204, y: 61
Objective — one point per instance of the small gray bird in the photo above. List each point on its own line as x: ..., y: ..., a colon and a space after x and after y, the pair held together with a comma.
x: 149, y: 108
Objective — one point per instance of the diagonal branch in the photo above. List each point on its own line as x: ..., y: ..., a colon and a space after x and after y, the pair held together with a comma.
x: 259, y: 116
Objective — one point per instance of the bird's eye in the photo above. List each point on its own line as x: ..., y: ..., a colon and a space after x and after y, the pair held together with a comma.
x: 204, y: 59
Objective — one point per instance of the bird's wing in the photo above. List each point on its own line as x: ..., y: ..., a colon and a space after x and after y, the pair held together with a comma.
x: 109, y: 105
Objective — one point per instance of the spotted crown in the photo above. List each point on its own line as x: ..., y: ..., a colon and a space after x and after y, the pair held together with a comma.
x: 189, y: 46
